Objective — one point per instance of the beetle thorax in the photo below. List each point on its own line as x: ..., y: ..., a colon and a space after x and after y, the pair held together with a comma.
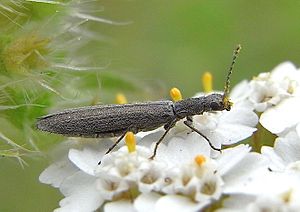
x: 199, y: 105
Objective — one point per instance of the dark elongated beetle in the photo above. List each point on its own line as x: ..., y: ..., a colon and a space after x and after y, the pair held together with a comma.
x: 116, y: 120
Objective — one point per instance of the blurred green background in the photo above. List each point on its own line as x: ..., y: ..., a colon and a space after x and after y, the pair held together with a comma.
x: 168, y: 43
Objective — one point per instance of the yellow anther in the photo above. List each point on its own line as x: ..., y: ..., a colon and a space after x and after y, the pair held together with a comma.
x: 200, y: 160
x: 175, y: 94
x: 130, y: 142
x: 207, y: 82
x: 121, y: 99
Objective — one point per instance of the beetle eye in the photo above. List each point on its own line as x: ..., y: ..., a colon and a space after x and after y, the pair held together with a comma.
x: 214, y: 106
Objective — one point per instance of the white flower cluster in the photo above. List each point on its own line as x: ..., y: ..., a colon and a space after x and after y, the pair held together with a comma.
x: 186, y: 174
x: 276, y: 95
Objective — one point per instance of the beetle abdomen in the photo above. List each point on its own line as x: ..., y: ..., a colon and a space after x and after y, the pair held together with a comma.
x: 108, y: 120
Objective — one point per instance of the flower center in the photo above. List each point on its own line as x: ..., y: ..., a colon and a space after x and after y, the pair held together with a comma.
x: 208, y: 187
x: 286, y: 197
x: 110, y: 185
x: 149, y: 178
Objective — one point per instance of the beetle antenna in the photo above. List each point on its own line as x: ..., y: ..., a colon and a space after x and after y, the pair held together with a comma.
x: 227, y: 83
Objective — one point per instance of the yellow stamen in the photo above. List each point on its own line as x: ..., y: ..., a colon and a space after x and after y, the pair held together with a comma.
x: 121, y: 99
x: 200, y: 160
x: 175, y: 94
x: 207, y: 82
x: 130, y: 142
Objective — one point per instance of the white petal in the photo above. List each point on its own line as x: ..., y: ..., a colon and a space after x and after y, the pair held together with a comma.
x: 231, y: 157
x: 282, y: 116
x: 182, y: 150
x: 288, y: 147
x: 276, y: 162
x: 146, y: 202
x: 234, y: 133
x: 298, y: 130
x: 241, y: 114
x: 295, y: 166
x: 176, y: 203
x: 273, y: 184
x: 230, y: 126
x: 237, y: 201
x: 141, y: 135
x: 81, y: 194
x: 240, y: 92
x: 150, y: 138
x: 261, y: 107
x: 240, y: 177
x: 283, y: 70
x: 117, y: 206
x: 86, y: 159
x: 57, y: 172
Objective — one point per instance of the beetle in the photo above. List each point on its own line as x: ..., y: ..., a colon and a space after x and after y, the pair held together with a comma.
x: 116, y: 120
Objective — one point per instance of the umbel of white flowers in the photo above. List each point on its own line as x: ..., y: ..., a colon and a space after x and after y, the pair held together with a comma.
x: 187, y: 175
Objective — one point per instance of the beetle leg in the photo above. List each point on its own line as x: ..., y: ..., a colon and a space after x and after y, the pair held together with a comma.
x: 189, y: 119
x: 189, y: 124
x: 167, y: 128
x: 114, y: 145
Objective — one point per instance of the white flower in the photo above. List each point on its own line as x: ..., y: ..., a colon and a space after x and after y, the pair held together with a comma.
x: 285, y: 153
x: 151, y: 178
x: 62, y: 167
x: 268, y: 89
x: 186, y: 174
x: 221, y: 128
x: 228, y: 127
x: 238, y: 167
x: 196, y: 186
x: 274, y: 186
x: 272, y: 191
x: 276, y: 95
x: 125, y: 178
x: 80, y: 193
x: 87, y: 185
x: 74, y: 177
x: 283, y: 116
